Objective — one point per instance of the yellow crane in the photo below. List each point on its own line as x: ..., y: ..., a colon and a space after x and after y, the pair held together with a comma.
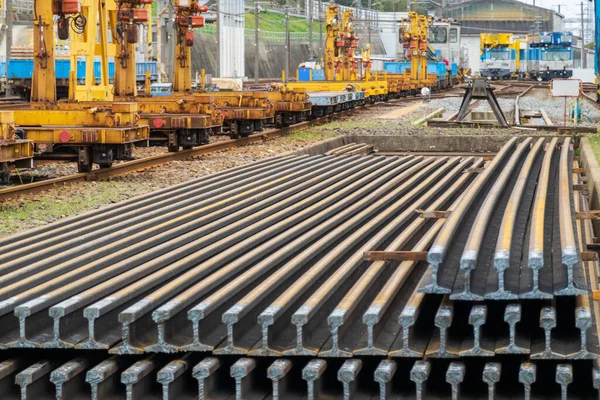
x: 333, y: 44
x: 349, y: 43
x: 340, y: 66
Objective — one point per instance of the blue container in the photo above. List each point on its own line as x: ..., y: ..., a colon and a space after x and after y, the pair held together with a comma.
x: 62, y: 70
x: 23, y: 69
x: 396, y: 67
x: 304, y: 74
x: 453, y: 69
x: 318, y: 75
x: 111, y: 70
x: 20, y: 69
x: 142, y: 67
x: 437, y: 68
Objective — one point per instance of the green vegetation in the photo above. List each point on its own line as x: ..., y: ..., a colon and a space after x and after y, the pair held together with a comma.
x: 311, y: 135
x: 44, y: 209
x: 274, y: 22
x: 595, y: 142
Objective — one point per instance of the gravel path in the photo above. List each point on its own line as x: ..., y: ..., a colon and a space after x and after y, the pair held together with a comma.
x: 541, y: 98
x: 30, y: 210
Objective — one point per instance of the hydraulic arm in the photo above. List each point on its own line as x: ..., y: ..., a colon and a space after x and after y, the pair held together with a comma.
x: 125, y: 29
x: 350, y: 42
x: 332, y: 42
x: 187, y: 19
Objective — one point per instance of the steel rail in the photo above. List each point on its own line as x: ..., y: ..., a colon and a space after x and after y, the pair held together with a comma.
x: 189, y: 376
x: 176, y: 251
x: 274, y: 315
x: 256, y: 297
x: 567, y: 269
x: 463, y: 288
x: 536, y: 258
x: 287, y: 230
x: 442, y: 243
x: 342, y: 318
x: 190, y: 195
x: 211, y: 303
x: 496, y: 288
x: 143, y: 227
x: 400, y: 345
x: 587, y: 311
x: 157, y: 255
x: 64, y: 224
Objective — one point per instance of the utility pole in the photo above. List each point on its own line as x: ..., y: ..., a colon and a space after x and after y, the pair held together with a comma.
x: 320, y: 30
x: 583, y: 60
x: 218, y: 68
x: 287, y: 44
x: 169, y: 50
x: 310, y: 24
x: 369, y: 22
x: 256, y: 51
x: 9, y: 33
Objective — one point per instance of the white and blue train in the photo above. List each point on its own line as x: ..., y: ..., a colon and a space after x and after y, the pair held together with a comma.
x: 550, y: 55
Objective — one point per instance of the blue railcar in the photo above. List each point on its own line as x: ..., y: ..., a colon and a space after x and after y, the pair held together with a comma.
x: 324, y: 103
x: 551, y: 55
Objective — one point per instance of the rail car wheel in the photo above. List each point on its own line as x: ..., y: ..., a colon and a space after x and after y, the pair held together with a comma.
x: 84, y: 167
x: 4, y: 173
x: 173, y: 148
x: 84, y: 162
x: 188, y: 147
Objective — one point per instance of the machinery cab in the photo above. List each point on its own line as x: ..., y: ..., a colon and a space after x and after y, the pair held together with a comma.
x: 556, y: 55
x: 444, y: 39
x: 499, y: 55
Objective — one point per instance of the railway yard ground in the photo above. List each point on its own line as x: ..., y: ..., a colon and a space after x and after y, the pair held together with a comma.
x: 395, y: 118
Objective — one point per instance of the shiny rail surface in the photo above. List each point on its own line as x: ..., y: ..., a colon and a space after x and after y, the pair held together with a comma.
x: 253, y: 283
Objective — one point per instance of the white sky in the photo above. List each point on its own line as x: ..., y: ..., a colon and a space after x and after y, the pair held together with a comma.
x: 570, y: 8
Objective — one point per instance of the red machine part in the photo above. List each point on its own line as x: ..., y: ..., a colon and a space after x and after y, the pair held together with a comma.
x: 135, y: 15
x: 62, y: 7
x: 194, y: 21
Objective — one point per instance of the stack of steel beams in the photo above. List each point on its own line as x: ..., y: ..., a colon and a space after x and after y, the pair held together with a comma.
x: 266, y: 262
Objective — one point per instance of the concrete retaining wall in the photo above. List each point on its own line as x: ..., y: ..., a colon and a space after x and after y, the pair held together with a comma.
x: 450, y: 143
x: 589, y: 163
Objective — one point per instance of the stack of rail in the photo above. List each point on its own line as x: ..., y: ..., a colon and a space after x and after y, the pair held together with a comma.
x: 216, y: 287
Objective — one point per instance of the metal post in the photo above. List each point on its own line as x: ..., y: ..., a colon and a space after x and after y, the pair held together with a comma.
x: 218, y: 68
x: 170, y: 49
x: 287, y: 44
x: 320, y: 30
x: 583, y: 60
x: 256, y: 53
x: 310, y: 23
x: 369, y: 22
x: 9, y: 33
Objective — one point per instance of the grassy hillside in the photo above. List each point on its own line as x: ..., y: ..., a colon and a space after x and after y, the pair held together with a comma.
x: 274, y: 22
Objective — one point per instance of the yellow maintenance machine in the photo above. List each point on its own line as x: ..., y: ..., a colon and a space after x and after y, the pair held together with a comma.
x: 180, y: 118
x: 340, y: 66
x: 14, y: 151
x: 94, y: 132
x: 414, y: 32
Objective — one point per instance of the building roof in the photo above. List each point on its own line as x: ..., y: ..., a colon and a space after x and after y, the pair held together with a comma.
x: 499, y: 10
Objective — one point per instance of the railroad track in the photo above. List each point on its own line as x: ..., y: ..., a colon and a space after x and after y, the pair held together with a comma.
x: 157, y: 160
